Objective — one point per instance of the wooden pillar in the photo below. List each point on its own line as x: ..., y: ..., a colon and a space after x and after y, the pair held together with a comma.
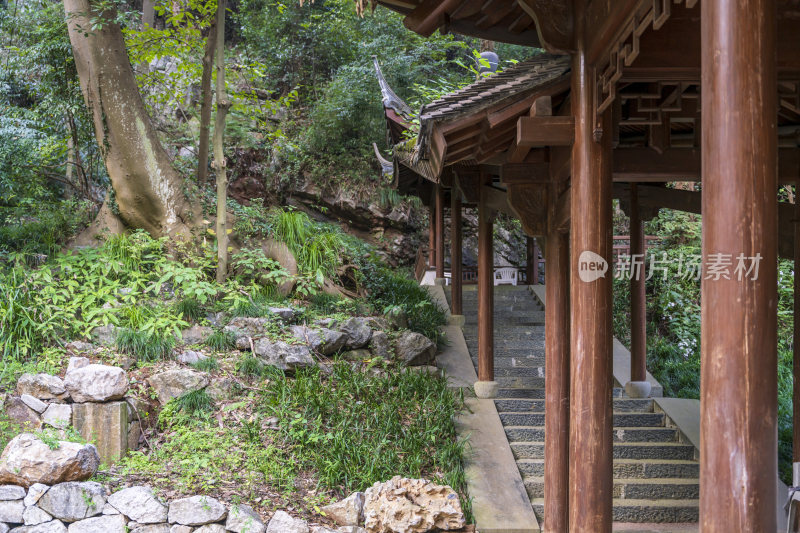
x: 439, y: 232
x: 796, y: 339
x: 455, y: 251
x: 638, y: 299
x: 590, y: 473
x: 556, y: 413
x: 738, y: 425
x: 532, y: 261
x: 485, y: 289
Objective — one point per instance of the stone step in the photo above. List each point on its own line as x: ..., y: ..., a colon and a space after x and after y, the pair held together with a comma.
x: 527, y: 351
x: 622, y: 450
x: 644, y: 511
x: 537, y: 394
x: 634, y: 489
x: 621, y: 405
x: 621, y: 420
x: 632, y: 434
x: 629, y: 468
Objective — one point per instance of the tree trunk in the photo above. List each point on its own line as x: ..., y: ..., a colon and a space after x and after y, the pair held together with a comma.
x: 219, y: 157
x: 148, y: 190
x: 205, y: 106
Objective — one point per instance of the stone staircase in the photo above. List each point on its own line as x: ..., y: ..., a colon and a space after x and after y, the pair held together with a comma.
x: 655, y: 469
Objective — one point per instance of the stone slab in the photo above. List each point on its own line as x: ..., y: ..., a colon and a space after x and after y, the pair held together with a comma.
x: 500, y: 502
x: 105, y: 425
x: 454, y: 359
x: 438, y: 297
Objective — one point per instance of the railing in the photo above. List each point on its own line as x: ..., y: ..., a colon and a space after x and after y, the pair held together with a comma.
x: 421, y: 263
x: 622, y: 245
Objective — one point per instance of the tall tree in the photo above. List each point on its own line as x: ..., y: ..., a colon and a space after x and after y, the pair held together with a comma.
x: 219, y: 156
x: 205, y: 104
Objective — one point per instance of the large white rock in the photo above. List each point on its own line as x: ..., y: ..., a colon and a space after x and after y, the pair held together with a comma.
x: 53, y: 526
x: 27, y: 460
x: 42, y: 386
x: 151, y: 528
x: 96, y: 383
x: 73, y: 501
x: 34, y: 403
x: 196, y: 511
x: 4, y: 527
x: 403, y: 505
x: 139, y: 504
x: 35, y: 493
x: 281, y: 522
x: 58, y: 415
x: 11, y: 492
x: 177, y: 528
x: 77, y: 362
x: 177, y: 382
x: 321, y: 340
x: 100, y: 524
x: 283, y: 355
x: 33, y: 516
x: 348, y: 512
x: 243, y: 519
x: 196, y: 334
x: 210, y: 528
x: 11, y: 511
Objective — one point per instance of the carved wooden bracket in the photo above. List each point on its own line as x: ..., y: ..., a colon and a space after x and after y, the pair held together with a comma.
x: 529, y: 202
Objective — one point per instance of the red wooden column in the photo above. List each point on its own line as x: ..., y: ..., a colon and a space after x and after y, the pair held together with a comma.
x: 556, y: 413
x: 455, y: 251
x: 486, y: 387
x: 738, y: 426
x: 796, y: 343
x: 590, y: 425
x: 432, y: 235
x: 439, y: 232
x: 532, y: 261
x: 638, y: 298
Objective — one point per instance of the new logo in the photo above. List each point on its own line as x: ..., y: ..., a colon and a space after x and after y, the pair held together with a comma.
x: 591, y: 266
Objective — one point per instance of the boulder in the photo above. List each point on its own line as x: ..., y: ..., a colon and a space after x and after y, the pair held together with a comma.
x: 105, y: 335
x: 379, y: 345
x: 33, y: 516
x: 134, y: 434
x: 357, y: 355
x: 211, y: 528
x: 243, y: 327
x: 283, y: 355
x: 403, y: 505
x: 280, y: 252
x: 196, y: 334
x: 77, y: 362
x: 177, y: 382
x: 35, y: 493
x: 109, y: 509
x: 42, y: 386
x: 348, y: 512
x: 397, y: 318
x: 11, y: 511
x: 243, y: 519
x: 58, y: 415
x: 415, y: 349
x: 177, y: 528
x: 79, y: 347
x: 351, y: 529
x: 281, y: 522
x: 322, y: 340
x: 19, y: 412
x: 53, y: 526
x: 11, y: 492
x: 96, y: 383
x: 196, y: 511
x: 34, y: 403
x: 4, y: 527
x: 191, y: 357
x: 151, y: 528
x: 27, y: 460
x: 114, y: 523
x: 139, y: 504
x: 358, y: 332
x: 106, y: 424
x: 286, y: 314
x: 220, y: 389
x: 74, y: 501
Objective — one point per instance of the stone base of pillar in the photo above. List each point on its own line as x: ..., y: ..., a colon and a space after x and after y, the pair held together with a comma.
x: 486, y: 390
x: 440, y: 281
x: 456, y: 320
x: 638, y: 389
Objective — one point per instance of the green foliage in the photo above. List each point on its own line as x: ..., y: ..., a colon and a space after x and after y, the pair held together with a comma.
x: 250, y: 366
x: 194, y: 402
x: 209, y: 364
x: 189, y: 309
x: 145, y: 346
x: 221, y: 340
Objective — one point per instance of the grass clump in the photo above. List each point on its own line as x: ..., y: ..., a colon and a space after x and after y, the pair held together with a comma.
x: 144, y: 345
x: 194, y: 402
x: 251, y: 366
x: 209, y: 364
x: 189, y: 309
x: 221, y: 340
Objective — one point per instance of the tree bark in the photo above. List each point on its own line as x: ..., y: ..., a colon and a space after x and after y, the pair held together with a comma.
x: 148, y: 190
x: 219, y: 157
x: 205, y: 106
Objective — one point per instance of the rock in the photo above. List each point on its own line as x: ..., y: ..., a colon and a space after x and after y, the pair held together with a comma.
x: 33, y: 516
x: 397, y: 318
x: 77, y: 362
x: 321, y: 340
x: 196, y: 334
x: 357, y: 355
x: 280, y: 252
x: 243, y: 327
x: 427, y: 369
x: 35, y: 492
x: 282, y: 355
x: 196, y: 511
x: 105, y: 335
x: 134, y: 434
x: 12, y: 511
x: 177, y: 382
x: 11, y: 492
x: 3, y: 527
x: 79, y: 347
x: 177, y: 528
x: 34, y: 403
x: 281, y: 522
x: 114, y: 523
x: 58, y: 415
x: 243, y: 519
x: 140, y: 410
x: 96, y: 383
x: 215, y: 319
x: 242, y: 343
x: 139, y: 504
x: 286, y: 314
x: 348, y: 512
x: 322, y: 529
x: 325, y: 322
x: 106, y: 424
x: 73, y: 501
x: 27, y: 460
x: 357, y: 331
x: 151, y: 528
x: 42, y: 386
x: 211, y: 528
x: 19, y: 412
x: 379, y: 344
x: 403, y: 505
x: 110, y: 509
x: 191, y: 357
x: 53, y: 526
x: 221, y: 389
x: 415, y: 349
x: 351, y: 529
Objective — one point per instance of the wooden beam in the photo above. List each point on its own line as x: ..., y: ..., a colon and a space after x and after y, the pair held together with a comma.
x: 545, y: 131
x: 528, y: 202
x: 525, y: 173
x: 429, y: 15
x: 485, y: 287
x: 439, y: 232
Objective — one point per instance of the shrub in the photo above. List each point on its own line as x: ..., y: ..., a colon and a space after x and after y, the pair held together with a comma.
x: 221, y: 340
x: 145, y: 346
x: 194, y: 402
